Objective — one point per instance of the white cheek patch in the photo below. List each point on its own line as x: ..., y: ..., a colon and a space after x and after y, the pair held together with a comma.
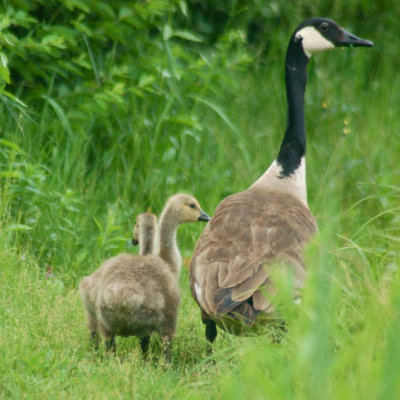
x: 313, y: 42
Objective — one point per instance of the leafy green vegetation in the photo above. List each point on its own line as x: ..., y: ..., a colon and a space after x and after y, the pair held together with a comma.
x: 109, y: 107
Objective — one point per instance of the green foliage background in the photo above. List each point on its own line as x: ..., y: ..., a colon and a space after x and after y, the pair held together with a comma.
x: 109, y: 107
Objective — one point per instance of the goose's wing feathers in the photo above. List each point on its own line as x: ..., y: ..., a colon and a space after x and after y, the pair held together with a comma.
x: 251, y: 234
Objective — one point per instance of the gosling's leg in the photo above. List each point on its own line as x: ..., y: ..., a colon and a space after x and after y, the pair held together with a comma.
x: 94, y: 339
x: 167, y: 345
x: 92, y: 325
x: 144, y: 345
x: 111, y: 345
x: 109, y: 338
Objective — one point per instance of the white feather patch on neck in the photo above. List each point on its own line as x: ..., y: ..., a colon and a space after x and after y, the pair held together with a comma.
x: 295, y: 184
x: 313, y: 42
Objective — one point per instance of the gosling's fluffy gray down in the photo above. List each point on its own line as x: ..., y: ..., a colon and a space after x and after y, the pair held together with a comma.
x: 115, y: 295
x: 138, y: 295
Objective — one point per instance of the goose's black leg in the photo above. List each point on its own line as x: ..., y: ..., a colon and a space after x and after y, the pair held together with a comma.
x: 211, y: 330
x: 211, y: 333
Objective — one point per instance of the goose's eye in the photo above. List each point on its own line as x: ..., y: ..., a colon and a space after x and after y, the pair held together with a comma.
x: 192, y: 205
x: 324, y: 26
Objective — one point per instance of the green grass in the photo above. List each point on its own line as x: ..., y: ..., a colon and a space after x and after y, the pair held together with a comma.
x: 68, y: 198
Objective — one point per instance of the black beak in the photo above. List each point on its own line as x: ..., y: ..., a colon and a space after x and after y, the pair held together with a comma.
x: 203, y: 216
x: 349, y: 40
x: 135, y: 242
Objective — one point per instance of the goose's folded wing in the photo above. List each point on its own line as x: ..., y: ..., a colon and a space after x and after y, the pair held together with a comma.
x: 247, y: 238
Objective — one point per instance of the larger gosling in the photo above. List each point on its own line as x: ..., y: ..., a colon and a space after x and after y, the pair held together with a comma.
x: 146, y: 233
x: 139, y: 294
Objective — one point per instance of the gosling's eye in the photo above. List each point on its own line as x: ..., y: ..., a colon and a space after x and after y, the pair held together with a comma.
x: 324, y: 26
x: 192, y: 205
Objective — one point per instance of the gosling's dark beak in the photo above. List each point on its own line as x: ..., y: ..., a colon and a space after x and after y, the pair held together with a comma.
x: 135, y: 242
x: 203, y: 216
x: 348, y: 40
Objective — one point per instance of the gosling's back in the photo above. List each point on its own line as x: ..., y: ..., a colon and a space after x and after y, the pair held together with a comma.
x: 137, y: 293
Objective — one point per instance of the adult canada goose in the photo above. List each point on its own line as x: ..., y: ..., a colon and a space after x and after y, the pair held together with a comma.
x: 267, y: 225
x: 137, y: 295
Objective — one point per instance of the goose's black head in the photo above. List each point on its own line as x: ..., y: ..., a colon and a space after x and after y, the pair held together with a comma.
x: 321, y: 34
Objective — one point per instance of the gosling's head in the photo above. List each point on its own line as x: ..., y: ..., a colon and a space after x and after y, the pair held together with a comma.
x: 321, y: 34
x: 145, y: 228
x: 184, y: 208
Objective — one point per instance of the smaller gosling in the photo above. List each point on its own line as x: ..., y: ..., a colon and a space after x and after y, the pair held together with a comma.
x: 140, y: 294
x: 145, y: 232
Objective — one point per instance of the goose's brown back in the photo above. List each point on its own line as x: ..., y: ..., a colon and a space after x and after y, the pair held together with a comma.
x: 251, y: 233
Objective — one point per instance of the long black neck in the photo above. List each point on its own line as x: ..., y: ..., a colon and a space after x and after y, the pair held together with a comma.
x: 293, y: 146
